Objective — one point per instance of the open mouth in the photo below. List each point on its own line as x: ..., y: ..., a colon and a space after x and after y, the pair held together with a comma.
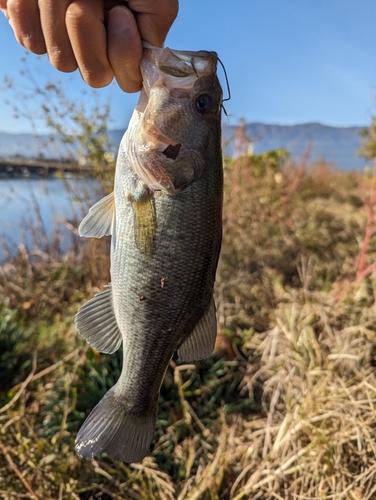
x: 158, y: 141
x: 171, y: 151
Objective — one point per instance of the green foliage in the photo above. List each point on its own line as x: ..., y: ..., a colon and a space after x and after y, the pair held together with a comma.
x: 265, y: 163
x: 13, y: 354
x: 368, y: 134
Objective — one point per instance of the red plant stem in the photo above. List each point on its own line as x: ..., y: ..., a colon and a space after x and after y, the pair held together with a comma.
x: 366, y: 272
x: 360, y: 274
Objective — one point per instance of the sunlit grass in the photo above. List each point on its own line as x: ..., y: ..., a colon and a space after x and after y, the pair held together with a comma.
x: 284, y: 409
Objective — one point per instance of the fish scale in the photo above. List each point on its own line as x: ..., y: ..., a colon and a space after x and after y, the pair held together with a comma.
x: 186, y: 283
x: 165, y: 220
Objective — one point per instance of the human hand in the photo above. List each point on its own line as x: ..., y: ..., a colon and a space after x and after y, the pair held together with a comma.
x: 74, y: 34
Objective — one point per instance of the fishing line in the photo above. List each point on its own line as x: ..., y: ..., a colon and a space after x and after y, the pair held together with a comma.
x: 224, y: 71
x: 226, y: 78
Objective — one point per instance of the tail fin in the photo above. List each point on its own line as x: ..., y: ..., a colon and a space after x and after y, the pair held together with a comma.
x: 110, y: 429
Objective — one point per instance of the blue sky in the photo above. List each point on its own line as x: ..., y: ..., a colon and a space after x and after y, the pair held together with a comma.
x: 288, y: 61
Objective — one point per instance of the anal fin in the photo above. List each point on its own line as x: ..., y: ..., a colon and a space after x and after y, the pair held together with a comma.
x: 96, y: 323
x: 200, y: 343
x: 98, y: 222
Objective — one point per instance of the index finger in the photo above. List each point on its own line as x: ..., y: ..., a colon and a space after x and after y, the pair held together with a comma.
x: 3, y: 8
x: 25, y: 21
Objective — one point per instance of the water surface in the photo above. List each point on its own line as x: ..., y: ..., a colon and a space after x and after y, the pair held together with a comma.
x: 32, y: 210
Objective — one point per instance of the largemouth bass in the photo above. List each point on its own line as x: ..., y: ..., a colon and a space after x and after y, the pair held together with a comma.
x: 165, y: 219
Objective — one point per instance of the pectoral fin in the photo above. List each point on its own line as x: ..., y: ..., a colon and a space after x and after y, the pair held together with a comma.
x: 200, y: 343
x: 145, y: 224
x: 98, y: 222
x: 96, y: 323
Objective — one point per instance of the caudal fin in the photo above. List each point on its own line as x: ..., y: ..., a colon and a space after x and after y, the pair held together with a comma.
x: 109, y: 429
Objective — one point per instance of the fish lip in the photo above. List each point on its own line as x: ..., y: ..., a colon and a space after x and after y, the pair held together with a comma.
x: 210, y: 59
x: 154, y: 135
x: 175, y: 68
x: 180, y: 53
x: 184, y: 55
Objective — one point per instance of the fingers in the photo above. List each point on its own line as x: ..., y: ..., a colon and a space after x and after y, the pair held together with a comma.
x: 124, y: 48
x: 72, y: 32
x: 60, y: 52
x: 74, y: 35
x: 25, y: 21
x: 154, y: 18
x: 87, y: 35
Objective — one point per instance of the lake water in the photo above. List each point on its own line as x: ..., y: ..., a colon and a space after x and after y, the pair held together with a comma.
x: 52, y: 205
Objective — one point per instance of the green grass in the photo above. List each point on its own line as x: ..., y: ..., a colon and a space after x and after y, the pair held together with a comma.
x: 285, y: 407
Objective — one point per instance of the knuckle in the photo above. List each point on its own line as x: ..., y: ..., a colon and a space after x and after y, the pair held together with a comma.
x: 127, y: 81
x: 26, y: 29
x: 98, y: 78
x: 79, y: 14
x: 61, y: 60
x: 31, y: 43
x: 129, y: 86
x: 18, y: 15
x: 13, y: 7
x: 75, y: 10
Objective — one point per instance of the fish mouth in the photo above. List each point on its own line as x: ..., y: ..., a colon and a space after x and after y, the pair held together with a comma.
x: 175, y: 68
x: 165, y: 164
x: 161, y: 178
x: 161, y: 142
x: 156, y: 163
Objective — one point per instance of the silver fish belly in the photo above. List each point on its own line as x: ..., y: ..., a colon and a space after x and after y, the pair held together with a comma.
x: 164, y: 217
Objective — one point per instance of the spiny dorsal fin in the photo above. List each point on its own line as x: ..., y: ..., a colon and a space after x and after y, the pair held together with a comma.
x: 200, y: 343
x: 96, y: 323
x: 98, y: 222
x: 145, y: 224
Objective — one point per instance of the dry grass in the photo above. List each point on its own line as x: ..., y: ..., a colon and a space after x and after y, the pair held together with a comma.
x: 285, y: 409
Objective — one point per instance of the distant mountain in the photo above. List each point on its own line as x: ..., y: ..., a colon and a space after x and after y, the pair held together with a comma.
x: 46, y: 146
x: 337, y: 145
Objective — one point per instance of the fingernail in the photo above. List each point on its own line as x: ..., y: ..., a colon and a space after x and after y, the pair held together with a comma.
x: 119, y: 20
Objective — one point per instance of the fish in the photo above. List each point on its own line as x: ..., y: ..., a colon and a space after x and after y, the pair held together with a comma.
x: 165, y: 221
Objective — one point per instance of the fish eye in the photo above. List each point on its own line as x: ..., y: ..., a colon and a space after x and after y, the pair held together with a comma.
x: 203, y: 103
